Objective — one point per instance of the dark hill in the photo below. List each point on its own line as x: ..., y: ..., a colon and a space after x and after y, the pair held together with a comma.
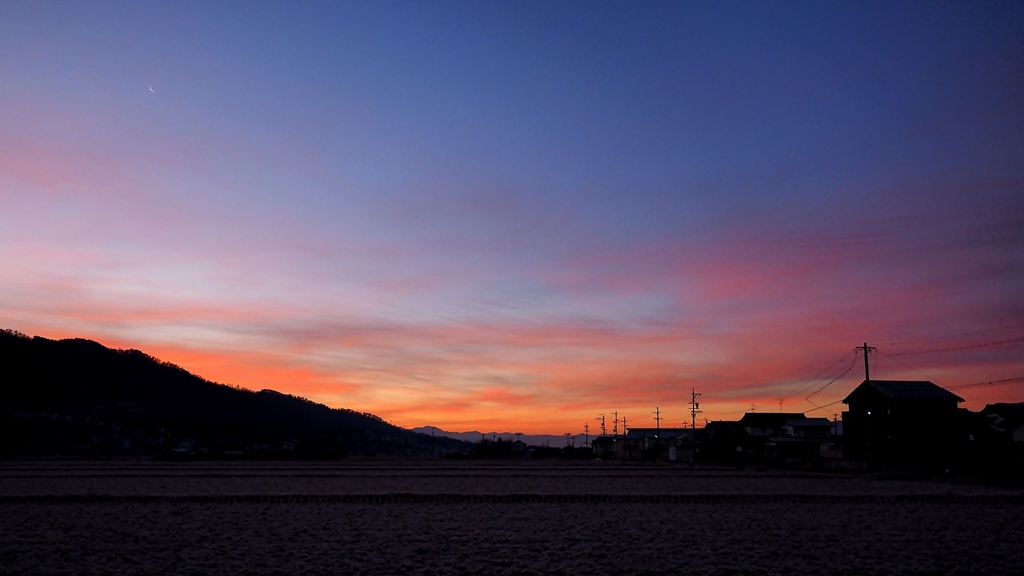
x: 78, y: 398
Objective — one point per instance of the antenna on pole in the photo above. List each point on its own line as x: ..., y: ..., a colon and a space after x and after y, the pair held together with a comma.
x: 615, y: 423
x: 866, y: 349
x: 604, y: 430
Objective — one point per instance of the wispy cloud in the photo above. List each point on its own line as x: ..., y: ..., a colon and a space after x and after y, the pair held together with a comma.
x: 389, y: 220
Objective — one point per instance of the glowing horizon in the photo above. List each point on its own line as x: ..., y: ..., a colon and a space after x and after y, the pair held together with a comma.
x: 513, y: 217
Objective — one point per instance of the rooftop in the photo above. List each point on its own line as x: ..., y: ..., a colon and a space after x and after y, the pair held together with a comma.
x: 905, y: 389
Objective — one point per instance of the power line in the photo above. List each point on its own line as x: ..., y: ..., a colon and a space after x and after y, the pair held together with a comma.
x: 853, y: 361
x: 958, y: 348
x: 823, y: 406
x: 1009, y: 328
x: 992, y: 383
x: 908, y: 367
x: 810, y: 381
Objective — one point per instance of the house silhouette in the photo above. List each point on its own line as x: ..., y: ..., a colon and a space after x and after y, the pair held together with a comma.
x: 909, y: 423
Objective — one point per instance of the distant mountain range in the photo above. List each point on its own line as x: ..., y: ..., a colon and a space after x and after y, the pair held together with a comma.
x: 76, y: 398
x: 476, y: 436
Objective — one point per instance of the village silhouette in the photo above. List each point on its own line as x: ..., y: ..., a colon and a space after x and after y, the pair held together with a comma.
x: 912, y: 425
x: 78, y: 399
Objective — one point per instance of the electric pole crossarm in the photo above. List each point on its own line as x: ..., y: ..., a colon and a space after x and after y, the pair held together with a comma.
x: 866, y: 349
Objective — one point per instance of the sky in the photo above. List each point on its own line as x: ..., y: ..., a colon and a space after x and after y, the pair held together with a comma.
x: 516, y: 216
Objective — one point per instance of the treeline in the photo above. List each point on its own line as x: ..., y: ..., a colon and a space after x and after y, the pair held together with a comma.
x: 515, y: 450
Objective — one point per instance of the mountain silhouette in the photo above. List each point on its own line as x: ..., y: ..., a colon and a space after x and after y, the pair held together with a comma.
x: 78, y: 398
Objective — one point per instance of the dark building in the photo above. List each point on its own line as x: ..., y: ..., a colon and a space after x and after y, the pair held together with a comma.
x: 1006, y: 420
x: 723, y: 442
x: 673, y: 444
x: 783, y: 437
x: 906, y: 424
x: 773, y: 438
x: 995, y: 447
x: 767, y: 424
x: 605, y: 447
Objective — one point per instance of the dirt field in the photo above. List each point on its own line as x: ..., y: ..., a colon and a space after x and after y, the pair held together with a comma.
x: 458, y: 518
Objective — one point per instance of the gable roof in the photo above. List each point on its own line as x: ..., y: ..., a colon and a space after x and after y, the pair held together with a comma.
x: 915, y: 389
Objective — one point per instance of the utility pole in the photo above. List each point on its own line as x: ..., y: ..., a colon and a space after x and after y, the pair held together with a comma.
x: 615, y: 423
x: 604, y: 430
x: 694, y: 410
x: 623, y: 425
x: 568, y: 439
x: 586, y: 434
x: 657, y: 418
x: 866, y: 349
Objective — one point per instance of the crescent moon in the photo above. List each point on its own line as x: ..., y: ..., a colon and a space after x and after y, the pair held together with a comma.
x: 151, y: 90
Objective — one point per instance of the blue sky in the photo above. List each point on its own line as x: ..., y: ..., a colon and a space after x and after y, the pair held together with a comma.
x: 516, y: 213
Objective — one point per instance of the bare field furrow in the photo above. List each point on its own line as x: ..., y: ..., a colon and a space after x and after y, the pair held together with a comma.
x: 390, y: 520
x: 421, y: 498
